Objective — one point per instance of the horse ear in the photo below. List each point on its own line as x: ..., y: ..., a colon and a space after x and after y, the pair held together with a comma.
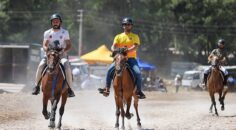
x: 113, y: 54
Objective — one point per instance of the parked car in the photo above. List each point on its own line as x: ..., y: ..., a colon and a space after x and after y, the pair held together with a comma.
x: 192, y: 79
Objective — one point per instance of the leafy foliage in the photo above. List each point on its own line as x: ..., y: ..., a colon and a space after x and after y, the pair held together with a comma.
x: 191, y: 27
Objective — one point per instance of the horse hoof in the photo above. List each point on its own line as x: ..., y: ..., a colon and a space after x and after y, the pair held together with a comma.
x: 210, y: 111
x: 59, y: 126
x: 116, y: 125
x: 139, y: 125
x: 47, y: 115
x: 51, y: 124
x: 129, y: 116
x: 222, y: 108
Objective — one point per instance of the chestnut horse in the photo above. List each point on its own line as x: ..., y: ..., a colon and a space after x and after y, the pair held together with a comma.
x: 124, y: 89
x: 54, y: 87
x: 215, y: 83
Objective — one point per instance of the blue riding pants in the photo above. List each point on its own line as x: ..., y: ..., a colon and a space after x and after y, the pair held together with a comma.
x: 135, y: 69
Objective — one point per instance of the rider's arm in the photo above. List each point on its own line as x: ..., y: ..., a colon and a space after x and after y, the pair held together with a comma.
x: 134, y: 47
x: 45, y: 41
x: 68, y: 45
x: 136, y: 41
x: 211, y: 55
x: 115, y: 42
x: 224, y: 61
x: 68, y: 42
x: 45, y: 45
x: 225, y: 58
x: 113, y: 47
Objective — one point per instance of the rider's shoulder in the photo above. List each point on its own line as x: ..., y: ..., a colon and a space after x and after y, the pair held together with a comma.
x: 48, y: 31
x: 64, y: 30
x: 119, y: 35
x: 214, y: 50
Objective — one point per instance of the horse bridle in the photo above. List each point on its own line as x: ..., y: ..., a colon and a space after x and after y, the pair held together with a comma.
x: 215, y: 63
x: 55, y: 62
x: 121, y: 54
x: 122, y: 61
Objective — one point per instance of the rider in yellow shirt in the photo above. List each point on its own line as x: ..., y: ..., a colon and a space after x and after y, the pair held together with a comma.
x: 131, y: 41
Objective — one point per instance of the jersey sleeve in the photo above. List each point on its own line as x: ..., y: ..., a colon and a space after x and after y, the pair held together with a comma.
x: 67, y: 36
x: 213, y: 52
x: 116, y: 40
x: 45, y: 35
x: 137, y: 40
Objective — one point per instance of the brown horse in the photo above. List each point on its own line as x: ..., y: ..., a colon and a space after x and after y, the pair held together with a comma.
x: 54, y: 87
x: 215, y: 83
x: 124, y: 90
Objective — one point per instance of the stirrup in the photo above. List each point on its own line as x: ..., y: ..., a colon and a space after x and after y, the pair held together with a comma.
x: 70, y: 93
x: 36, y: 90
x: 140, y: 95
x: 103, y: 90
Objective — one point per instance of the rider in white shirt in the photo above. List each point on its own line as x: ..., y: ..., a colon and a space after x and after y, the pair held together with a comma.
x: 55, y: 37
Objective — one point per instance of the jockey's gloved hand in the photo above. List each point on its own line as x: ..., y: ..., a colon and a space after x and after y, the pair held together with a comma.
x: 126, y: 49
x: 61, y: 51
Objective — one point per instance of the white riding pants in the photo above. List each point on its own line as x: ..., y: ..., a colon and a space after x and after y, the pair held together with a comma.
x: 207, y: 71
x: 64, y: 61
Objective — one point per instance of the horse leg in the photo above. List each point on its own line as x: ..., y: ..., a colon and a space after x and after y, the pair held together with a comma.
x: 62, y: 108
x: 222, y: 98
x: 136, y: 109
x: 123, y: 116
x: 214, y: 102
x: 45, y: 113
x: 53, y: 113
x: 117, y: 116
x: 210, y: 110
x: 128, y: 115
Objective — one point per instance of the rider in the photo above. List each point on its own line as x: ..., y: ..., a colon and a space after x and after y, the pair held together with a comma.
x: 60, y: 36
x: 220, y: 52
x: 131, y: 41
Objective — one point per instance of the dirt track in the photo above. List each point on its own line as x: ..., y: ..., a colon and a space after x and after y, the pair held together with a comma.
x: 91, y: 111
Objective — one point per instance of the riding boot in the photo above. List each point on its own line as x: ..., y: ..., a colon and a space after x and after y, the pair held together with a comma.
x: 36, y: 90
x: 225, y: 79
x: 105, y: 91
x: 205, y: 79
x: 140, y: 94
x: 70, y: 92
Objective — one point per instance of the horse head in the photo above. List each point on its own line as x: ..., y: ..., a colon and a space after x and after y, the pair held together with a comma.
x: 120, y: 60
x: 53, y: 59
x: 215, y: 61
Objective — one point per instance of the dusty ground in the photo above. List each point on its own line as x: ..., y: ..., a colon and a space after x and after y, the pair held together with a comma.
x: 187, y: 110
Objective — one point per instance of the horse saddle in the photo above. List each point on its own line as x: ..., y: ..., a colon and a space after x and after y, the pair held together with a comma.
x: 129, y: 70
x: 61, y: 67
x: 221, y: 74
